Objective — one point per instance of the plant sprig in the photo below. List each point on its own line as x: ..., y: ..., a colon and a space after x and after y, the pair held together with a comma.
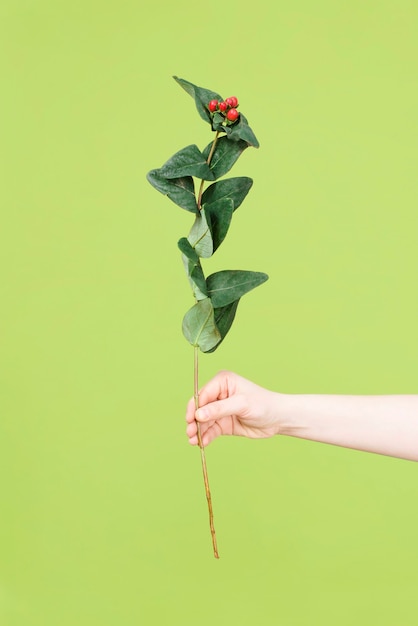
x: 217, y: 296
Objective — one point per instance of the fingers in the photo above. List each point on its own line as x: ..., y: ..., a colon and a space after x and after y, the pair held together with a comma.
x: 210, y: 418
x: 212, y: 433
x: 215, y: 389
x: 191, y: 432
x: 213, y: 411
x: 190, y: 411
x: 221, y: 408
x: 219, y: 387
x: 217, y: 399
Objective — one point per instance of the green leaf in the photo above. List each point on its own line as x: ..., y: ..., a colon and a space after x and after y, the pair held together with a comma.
x: 188, y: 250
x: 193, y: 269
x: 199, y: 326
x: 224, y: 316
x: 179, y: 190
x: 234, y: 188
x: 241, y: 131
x: 229, y: 285
x: 226, y: 153
x: 201, y: 96
x: 188, y: 161
x: 218, y: 216
x: 200, y: 236
x: 218, y: 122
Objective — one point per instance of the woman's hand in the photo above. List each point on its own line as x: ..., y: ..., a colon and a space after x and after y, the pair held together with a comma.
x: 232, y: 405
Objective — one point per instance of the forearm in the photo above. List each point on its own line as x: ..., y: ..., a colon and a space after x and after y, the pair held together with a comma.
x: 381, y: 424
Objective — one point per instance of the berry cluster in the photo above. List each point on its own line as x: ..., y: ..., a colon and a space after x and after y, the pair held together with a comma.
x: 228, y: 108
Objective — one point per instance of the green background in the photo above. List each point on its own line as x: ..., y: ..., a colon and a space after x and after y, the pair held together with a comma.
x: 103, y: 515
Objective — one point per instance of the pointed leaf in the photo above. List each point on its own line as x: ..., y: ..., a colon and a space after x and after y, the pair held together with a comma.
x: 218, y: 216
x: 188, y: 161
x: 201, y: 96
x: 199, y: 326
x: 200, y: 236
x: 179, y: 190
x: 193, y: 269
x: 224, y: 316
x: 228, y: 285
x: 234, y: 188
x: 225, y: 155
x: 242, y: 131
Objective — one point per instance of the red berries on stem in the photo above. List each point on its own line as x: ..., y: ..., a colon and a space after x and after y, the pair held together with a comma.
x: 228, y: 108
x: 232, y: 115
x: 232, y: 101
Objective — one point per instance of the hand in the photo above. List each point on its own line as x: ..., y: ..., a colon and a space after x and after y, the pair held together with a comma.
x: 232, y: 405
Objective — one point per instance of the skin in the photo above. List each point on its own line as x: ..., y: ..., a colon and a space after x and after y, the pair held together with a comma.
x: 232, y: 405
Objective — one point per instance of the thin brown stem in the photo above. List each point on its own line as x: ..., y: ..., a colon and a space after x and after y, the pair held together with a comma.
x: 202, y: 455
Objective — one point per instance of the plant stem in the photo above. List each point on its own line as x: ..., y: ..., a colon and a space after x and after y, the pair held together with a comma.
x: 202, y: 182
x: 196, y: 392
x: 202, y: 454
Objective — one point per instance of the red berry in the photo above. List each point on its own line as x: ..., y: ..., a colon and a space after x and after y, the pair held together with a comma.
x: 222, y: 106
x: 213, y: 105
x: 232, y: 115
x: 232, y: 101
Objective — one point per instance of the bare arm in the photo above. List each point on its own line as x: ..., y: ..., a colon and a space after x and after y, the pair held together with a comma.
x: 232, y: 405
x: 381, y: 424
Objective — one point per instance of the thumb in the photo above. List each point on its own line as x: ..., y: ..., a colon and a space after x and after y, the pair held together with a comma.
x: 220, y: 408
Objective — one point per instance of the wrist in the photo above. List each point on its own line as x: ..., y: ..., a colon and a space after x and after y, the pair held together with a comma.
x: 288, y: 412
x: 279, y: 415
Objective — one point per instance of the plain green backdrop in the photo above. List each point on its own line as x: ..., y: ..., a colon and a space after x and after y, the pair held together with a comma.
x: 103, y: 516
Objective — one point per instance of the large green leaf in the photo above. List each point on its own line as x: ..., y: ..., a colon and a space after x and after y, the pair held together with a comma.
x: 218, y: 216
x: 188, y: 161
x: 229, y: 285
x: 226, y: 153
x: 234, y: 188
x: 224, y: 316
x: 199, y: 326
x: 179, y: 190
x: 200, y: 236
x: 193, y: 269
x: 241, y: 130
x: 201, y: 96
